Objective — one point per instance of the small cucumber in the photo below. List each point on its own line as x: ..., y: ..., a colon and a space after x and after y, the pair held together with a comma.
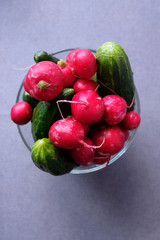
x: 114, y: 72
x: 46, y: 113
x: 28, y: 98
x: 51, y: 159
x: 44, y: 56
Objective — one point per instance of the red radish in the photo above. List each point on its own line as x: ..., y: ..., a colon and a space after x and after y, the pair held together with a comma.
x: 115, y: 109
x: 66, y: 133
x: 69, y: 77
x: 131, y: 121
x: 86, y: 127
x: 21, y: 113
x: 44, y: 81
x: 87, y: 107
x: 25, y: 85
x: 126, y: 133
x: 101, y: 159
x: 98, y: 124
x: 83, y: 155
x: 84, y: 63
x: 70, y: 56
x: 84, y: 84
x: 114, y: 139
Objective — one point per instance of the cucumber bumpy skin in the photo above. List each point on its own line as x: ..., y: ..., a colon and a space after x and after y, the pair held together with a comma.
x: 114, y: 72
x: 28, y: 98
x: 51, y: 159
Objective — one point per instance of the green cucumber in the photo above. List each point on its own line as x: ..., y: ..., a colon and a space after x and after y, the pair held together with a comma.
x: 44, y: 56
x: 51, y: 159
x: 28, y: 98
x: 46, y: 113
x: 114, y: 72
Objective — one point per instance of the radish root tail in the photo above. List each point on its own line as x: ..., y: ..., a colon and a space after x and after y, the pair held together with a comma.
x: 132, y: 101
x: 91, y: 146
x: 97, y: 88
x: 107, y: 87
x: 19, y: 69
x: 67, y: 101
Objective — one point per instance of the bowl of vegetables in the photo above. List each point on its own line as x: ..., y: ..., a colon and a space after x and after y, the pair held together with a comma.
x: 78, y: 110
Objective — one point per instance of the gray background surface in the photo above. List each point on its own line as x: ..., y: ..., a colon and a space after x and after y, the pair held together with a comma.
x: 121, y: 202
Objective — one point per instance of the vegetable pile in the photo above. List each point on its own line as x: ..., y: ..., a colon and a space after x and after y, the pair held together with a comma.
x: 81, y: 108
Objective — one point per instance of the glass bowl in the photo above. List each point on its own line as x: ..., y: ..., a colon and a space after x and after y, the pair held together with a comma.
x: 26, y: 135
